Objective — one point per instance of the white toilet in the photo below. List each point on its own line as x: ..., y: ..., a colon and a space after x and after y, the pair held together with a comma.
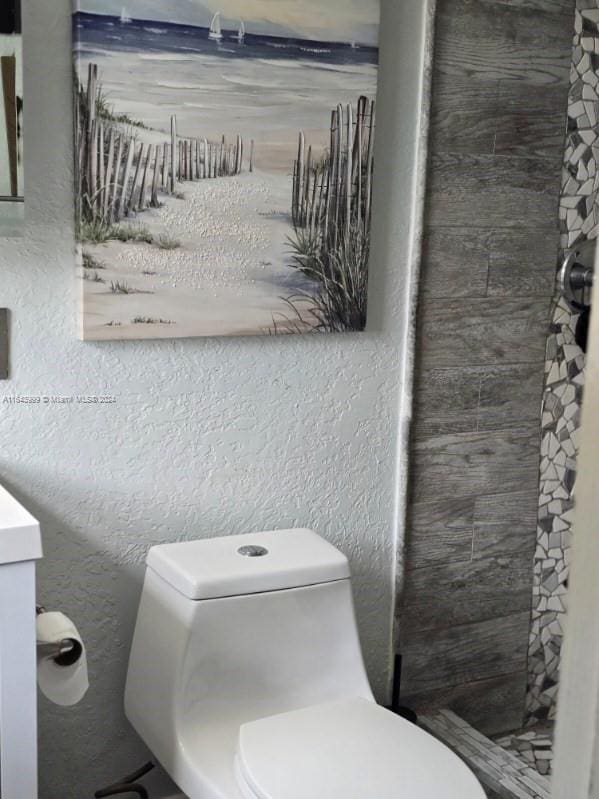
x: 246, y: 679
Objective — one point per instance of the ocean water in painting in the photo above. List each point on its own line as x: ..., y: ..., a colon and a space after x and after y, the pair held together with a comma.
x: 220, y: 254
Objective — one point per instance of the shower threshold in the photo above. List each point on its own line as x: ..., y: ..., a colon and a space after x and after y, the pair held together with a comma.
x: 503, y: 773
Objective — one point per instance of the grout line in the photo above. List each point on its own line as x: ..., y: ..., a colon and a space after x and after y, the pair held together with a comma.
x: 433, y: 565
x: 484, y: 620
x: 496, y: 131
x: 553, y: 230
x: 453, y: 154
x: 480, y: 390
x: 481, y: 680
x: 475, y: 496
x: 515, y: 228
x: 489, y: 274
x: 509, y: 365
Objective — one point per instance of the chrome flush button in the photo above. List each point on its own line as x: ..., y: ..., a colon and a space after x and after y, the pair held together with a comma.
x: 252, y: 551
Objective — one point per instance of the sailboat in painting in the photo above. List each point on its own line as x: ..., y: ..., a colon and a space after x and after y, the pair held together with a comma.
x: 215, y: 30
x: 125, y: 16
x: 241, y: 32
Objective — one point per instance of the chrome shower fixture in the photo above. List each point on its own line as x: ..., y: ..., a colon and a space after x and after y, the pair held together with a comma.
x: 577, y: 273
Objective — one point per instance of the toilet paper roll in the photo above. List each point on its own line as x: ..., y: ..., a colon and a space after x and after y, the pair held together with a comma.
x: 61, y: 684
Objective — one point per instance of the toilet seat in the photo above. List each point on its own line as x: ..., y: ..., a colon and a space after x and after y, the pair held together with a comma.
x: 350, y: 749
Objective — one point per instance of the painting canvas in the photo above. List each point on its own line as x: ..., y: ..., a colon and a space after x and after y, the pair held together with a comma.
x: 224, y: 161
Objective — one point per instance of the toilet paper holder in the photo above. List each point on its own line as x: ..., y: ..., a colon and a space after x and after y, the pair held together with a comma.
x: 64, y: 653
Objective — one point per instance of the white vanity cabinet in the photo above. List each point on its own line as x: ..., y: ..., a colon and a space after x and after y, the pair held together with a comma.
x: 20, y: 547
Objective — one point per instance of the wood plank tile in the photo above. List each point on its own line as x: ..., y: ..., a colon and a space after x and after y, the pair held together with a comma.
x: 522, y: 263
x: 499, y: 87
x: 446, y: 401
x: 439, y: 532
x: 484, y: 41
x: 505, y: 524
x: 532, y: 121
x: 454, y: 263
x: 470, y: 399
x: 473, y: 464
x: 491, y: 191
x: 463, y: 114
x: 492, y: 706
x: 453, y: 594
x: 482, y: 332
x: 564, y: 7
x: 463, y: 654
x: 511, y: 395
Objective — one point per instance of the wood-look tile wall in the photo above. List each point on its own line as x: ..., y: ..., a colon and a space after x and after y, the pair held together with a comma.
x: 500, y: 84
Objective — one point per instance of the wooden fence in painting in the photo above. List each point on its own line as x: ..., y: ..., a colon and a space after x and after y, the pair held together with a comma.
x: 332, y: 195
x: 118, y: 175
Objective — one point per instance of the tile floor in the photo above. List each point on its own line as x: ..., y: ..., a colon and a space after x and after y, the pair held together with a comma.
x: 534, y: 746
x: 509, y: 768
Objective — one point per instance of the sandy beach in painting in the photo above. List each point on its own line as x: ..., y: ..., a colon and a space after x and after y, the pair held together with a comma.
x: 226, y: 269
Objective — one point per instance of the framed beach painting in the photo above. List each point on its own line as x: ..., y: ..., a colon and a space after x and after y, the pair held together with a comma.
x: 224, y: 160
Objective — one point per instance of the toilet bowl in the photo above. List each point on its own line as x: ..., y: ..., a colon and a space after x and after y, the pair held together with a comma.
x: 246, y: 679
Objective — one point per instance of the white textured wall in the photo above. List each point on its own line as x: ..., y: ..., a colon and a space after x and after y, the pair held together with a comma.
x: 207, y: 437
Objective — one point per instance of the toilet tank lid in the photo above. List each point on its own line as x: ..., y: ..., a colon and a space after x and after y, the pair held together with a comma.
x: 248, y: 564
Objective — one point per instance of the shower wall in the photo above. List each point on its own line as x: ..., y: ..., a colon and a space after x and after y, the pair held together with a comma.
x: 564, y: 376
x: 500, y: 84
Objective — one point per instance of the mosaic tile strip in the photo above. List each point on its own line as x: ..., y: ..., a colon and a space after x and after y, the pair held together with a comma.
x: 502, y: 773
x: 564, y: 377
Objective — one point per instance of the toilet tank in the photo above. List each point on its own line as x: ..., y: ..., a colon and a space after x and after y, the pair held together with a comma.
x: 237, y: 628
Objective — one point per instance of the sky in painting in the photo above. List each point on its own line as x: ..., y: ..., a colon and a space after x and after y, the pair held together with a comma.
x: 320, y: 20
